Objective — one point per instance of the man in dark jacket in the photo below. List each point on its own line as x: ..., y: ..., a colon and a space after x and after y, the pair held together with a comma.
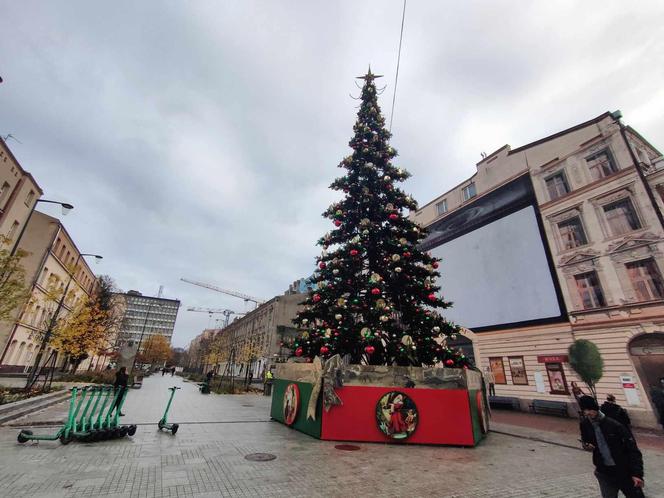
x: 618, y: 461
x: 657, y: 397
x: 121, y: 380
x: 612, y: 409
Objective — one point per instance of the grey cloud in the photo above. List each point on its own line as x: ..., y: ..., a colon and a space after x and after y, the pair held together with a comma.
x: 199, y: 139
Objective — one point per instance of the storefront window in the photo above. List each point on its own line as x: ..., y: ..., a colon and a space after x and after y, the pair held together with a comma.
x: 518, y: 369
x: 498, y: 370
x: 556, y: 378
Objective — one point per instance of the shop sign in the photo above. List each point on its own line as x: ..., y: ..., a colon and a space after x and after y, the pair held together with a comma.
x: 553, y: 358
x: 630, y: 390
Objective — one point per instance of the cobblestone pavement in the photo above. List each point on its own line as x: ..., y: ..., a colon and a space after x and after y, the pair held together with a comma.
x: 206, y: 459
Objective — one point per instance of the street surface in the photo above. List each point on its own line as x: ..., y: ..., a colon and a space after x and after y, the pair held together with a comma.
x: 206, y: 458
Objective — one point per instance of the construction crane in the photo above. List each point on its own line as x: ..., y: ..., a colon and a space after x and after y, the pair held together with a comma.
x: 211, y: 311
x: 224, y: 291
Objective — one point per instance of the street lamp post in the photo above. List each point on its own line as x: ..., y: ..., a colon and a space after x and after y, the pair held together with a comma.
x: 51, y: 324
x: 140, y: 340
x: 65, y: 209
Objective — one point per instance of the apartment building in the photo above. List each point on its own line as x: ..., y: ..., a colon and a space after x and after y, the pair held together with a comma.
x: 146, y: 316
x: 52, y: 260
x: 557, y: 240
x: 254, y: 338
x: 18, y: 193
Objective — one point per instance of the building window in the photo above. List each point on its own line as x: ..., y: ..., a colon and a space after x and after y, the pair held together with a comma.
x: 571, y: 233
x: 589, y: 290
x: 557, y: 379
x: 601, y: 164
x: 518, y: 370
x: 621, y: 217
x: 557, y: 185
x: 646, y: 279
x: 30, y: 198
x: 442, y: 207
x: 4, y: 190
x: 498, y: 370
x: 12, y: 230
x: 469, y: 192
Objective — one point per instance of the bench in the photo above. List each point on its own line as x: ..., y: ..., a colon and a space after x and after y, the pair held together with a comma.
x: 546, y: 407
x: 504, y: 403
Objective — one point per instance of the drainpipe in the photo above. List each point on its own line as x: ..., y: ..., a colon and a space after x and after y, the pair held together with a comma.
x: 617, y: 115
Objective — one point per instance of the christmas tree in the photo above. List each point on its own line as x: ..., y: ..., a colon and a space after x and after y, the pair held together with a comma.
x: 375, y: 296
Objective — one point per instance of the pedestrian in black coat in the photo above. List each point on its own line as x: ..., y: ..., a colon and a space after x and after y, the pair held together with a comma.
x: 618, y: 461
x: 121, y: 380
x: 612, y: 409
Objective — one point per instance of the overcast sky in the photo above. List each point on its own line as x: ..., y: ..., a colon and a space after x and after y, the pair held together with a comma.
x: 198, y: 139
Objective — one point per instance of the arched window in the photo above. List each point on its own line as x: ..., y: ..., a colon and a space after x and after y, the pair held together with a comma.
x: 28, y: 354
x: 35, y: 314
x: 21, y: 348
x: 10, y: 351
x: 44, y: 277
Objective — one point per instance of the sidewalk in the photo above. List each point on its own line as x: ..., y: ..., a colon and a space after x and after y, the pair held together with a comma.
x: 208, y: 457
x: 559, y: 430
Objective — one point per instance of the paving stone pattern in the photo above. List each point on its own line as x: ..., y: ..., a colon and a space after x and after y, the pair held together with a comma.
x: 207, y: 459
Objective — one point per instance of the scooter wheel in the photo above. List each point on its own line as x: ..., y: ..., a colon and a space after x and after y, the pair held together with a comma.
x: 124, y: 430
x: 65, y: 439
x: 132, y: 430
x: 21, y: 436
x: 174, y: 428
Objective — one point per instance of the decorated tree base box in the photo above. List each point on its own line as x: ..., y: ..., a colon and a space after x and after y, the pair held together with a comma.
x: 412, y: 405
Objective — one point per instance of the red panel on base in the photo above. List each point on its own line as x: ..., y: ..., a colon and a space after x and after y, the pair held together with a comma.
x: 443, y: 416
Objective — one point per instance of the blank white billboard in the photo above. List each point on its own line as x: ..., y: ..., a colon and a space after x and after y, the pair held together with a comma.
x: 497, y: 274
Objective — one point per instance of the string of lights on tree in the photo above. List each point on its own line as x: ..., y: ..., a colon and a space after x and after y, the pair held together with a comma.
x: 375, y: 297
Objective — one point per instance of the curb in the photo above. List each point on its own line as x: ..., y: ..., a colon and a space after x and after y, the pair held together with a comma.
x: 12, y: 411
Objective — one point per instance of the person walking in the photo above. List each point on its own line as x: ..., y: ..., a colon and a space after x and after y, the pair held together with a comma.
x: 120, y: 387
x: 163, y: 371
x: 267, y: 388
x: 172, y: 371
x: 657, y: 397
x: 612, y: 409
x: 491, y: 380
x: 618, y: 461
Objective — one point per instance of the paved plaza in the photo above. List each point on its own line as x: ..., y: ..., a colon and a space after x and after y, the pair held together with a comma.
x: 207, y: 459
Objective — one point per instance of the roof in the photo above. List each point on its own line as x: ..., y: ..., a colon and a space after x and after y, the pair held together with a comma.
x: 26, y: 173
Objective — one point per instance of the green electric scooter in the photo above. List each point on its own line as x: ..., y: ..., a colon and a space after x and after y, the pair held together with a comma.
x: 163, y: 424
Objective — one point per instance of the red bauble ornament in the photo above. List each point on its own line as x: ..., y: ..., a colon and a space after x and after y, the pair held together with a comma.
x: 322, y: 265
x: 375, y: 291
x: 316, y: 298
x: 298, y: 352
x: 369, y: 349
x: 394, y: 216
x: 324, y: 350
x: 406, y: 254
x: 449, y: 363
x: 354, y: 252
x: 431, y: 297
x: 435, y: 264
x: 337, y: 223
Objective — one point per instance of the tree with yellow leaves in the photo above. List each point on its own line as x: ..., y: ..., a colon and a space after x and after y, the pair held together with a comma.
x: 13, y: 290
x: 81, y: 333
x: 156, y: 350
